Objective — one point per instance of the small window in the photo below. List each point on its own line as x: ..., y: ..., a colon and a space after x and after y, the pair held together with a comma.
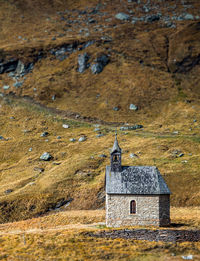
x: 116, y: 158
x: 132, y: 207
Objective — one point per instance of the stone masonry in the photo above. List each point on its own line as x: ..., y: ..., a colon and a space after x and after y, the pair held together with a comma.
x: 150, y: 210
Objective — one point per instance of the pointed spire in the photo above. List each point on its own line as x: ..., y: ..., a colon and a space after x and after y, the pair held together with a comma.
x: 116, y: 147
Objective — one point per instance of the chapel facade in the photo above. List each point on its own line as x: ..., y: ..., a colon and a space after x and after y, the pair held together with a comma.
x: 135, y: 195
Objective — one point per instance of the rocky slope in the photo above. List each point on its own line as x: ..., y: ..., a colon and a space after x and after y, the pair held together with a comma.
x: 134, y: 62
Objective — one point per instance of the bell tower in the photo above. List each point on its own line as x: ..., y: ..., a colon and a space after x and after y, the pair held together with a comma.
x: 115, y: 157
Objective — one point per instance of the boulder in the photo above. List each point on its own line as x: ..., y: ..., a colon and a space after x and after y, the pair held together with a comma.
x: 81, y: 139
x: 97, y: 68
x: 65, y: 126
x: 101, y: 62
x: 46, y: 156
x: 82, y: 62
x: 44, y: 134
x: 133, y: 107
x: 122, y: 16
x: 134, y: 127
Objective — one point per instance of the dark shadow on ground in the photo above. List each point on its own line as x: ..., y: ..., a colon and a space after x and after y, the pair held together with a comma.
x: 165, y: 235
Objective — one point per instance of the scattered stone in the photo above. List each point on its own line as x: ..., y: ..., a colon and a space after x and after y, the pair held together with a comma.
x: 189, y: 257
x: 59, y: 137
x: 134, y: 127
x: 189, y: 17
x: 81, y: 139
x: 72, y: 140
x: 101, y: 62
x: 102, y: 156
x: 6, y: 87
x: 115, y: 108
x: 82, y: 62
x: 97, y: 129
x: 20, y: 68
x: 65, y: 126
x: 152, y: 18
x: 133, y: 107
x: 53, y: 97
x: 38, y: 169
x: 8, y: 66
x: 12, y: 118
x: 8, y: 191
x: 132, y: 155
x: 97, y: 68
x: 100, y: 135
x: 18, y: 84
x: 181, y: 155
x: 122, y: 16
x: 175, y: 132
x: 184, y: 161
x: 44, y: 134
x: 2, y: 138
x: 30, y: 149
x: 46, y: 156
x: 194, y: 120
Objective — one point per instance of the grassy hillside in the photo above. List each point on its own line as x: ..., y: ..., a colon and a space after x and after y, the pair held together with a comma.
x: 153, y: 64
x: 63, y: 236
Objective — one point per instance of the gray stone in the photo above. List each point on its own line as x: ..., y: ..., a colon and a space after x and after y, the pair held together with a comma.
x: 103, y: 59
x: 18, y: 84
x: 189, y: 257
x: 152, y: 18
x: 81, y: 139
x: 100, y: 135
x: 102, y: 156
x: 38, y: 169
x: 181, y: 155
x: 53, y: 97
x: 30, y: 149
x: 101, y: 62
x: 133, y: 107
x: 134, y: 127
x: 115, y: 108
x: 2, y: 138
x: 82, y: 62
x: 44, y: 134
x: 122, y: 16
x: 72, y: 140
x: 8, y: 191
x: 65, y: 126
x: 20, y: 68
x: 189, y: 17
x: 132, y: 155
x: 96, y: 68
x: 97, y: 129
x: 58, y: 137
x: 45, y: 156
x: 6, y: 87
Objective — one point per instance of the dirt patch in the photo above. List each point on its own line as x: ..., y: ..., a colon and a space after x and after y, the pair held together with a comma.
x: 165, y: 235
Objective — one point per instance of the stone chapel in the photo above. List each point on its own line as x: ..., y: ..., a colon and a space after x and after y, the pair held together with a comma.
x: 135, y: 195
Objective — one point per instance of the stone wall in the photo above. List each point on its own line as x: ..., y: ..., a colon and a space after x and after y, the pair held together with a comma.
x: 150, y: 210
x: 164, y: 210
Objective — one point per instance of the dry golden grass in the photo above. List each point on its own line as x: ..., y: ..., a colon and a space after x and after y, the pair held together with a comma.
x: 77, y: 171
x: 59, y: 236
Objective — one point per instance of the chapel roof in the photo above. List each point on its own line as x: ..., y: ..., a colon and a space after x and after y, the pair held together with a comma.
x: 137, y: 180
x: 116, y: 147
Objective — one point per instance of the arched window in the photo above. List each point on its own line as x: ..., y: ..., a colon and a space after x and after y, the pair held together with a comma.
x: 115, y: 158
x: 132, y: 207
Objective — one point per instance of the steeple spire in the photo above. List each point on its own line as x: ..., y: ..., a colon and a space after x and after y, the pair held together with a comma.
x: 115, y: 159
x: 116, y: 147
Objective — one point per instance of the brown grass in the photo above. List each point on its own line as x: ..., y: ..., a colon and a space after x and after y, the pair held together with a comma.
x: 59, y: 237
